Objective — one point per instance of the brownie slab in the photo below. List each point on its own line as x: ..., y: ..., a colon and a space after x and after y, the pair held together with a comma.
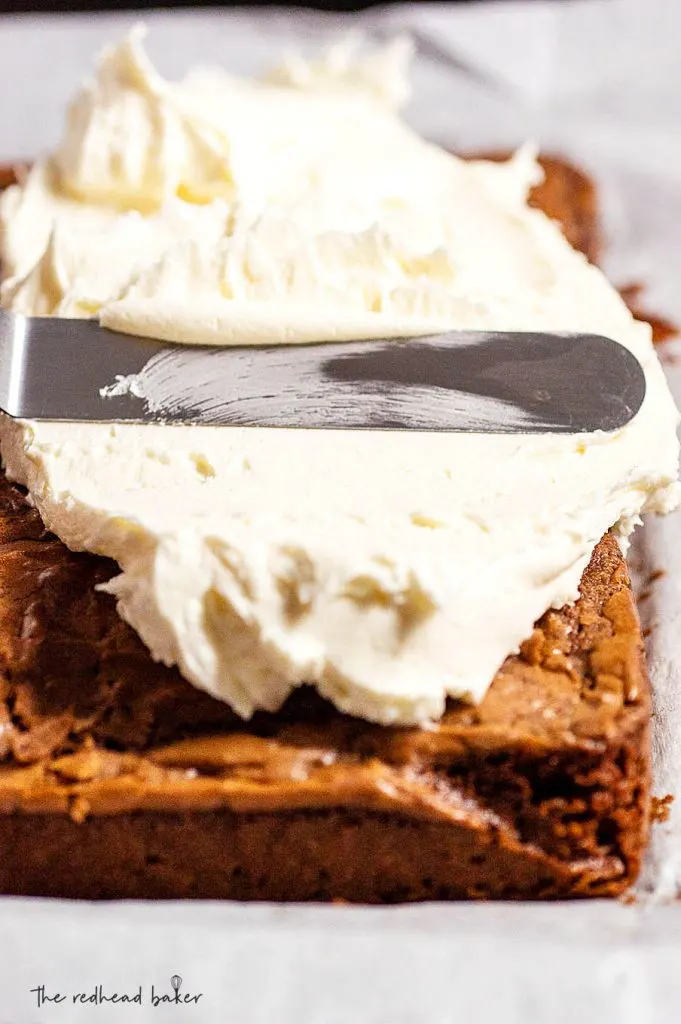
x: 120, y: 779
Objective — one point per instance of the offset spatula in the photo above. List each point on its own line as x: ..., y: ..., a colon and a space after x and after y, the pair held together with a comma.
x: 495, y: 382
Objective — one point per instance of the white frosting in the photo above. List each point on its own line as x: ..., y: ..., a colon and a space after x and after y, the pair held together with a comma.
x: 388, y: 569
x: 342, y: 222
x: 132, y: 139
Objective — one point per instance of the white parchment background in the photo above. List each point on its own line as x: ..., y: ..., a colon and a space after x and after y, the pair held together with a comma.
x: 600, y: 81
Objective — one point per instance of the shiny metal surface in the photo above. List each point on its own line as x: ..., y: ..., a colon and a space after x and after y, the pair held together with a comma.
x: 496, y: 382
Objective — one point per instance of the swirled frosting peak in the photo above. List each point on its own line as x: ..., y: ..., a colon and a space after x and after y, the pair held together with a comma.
x: 133, y: 140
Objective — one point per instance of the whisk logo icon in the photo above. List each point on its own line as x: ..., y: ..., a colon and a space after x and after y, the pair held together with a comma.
x: 178, y: 997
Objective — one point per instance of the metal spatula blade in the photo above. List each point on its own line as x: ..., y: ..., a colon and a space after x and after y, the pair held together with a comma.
x: 495, y: 382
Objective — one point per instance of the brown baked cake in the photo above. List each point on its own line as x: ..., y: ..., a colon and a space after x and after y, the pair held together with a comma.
x: 120, y: 779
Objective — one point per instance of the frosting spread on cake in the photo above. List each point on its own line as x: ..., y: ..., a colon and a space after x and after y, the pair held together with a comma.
x: 389, y: 569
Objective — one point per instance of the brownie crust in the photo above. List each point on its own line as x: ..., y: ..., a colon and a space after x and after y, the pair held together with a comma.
x: 120, y: 779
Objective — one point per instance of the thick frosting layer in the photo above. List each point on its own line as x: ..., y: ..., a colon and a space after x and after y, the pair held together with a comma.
x: 389, y: 569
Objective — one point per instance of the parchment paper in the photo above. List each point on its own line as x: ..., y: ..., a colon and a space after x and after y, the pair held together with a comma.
x: 597, y: 80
